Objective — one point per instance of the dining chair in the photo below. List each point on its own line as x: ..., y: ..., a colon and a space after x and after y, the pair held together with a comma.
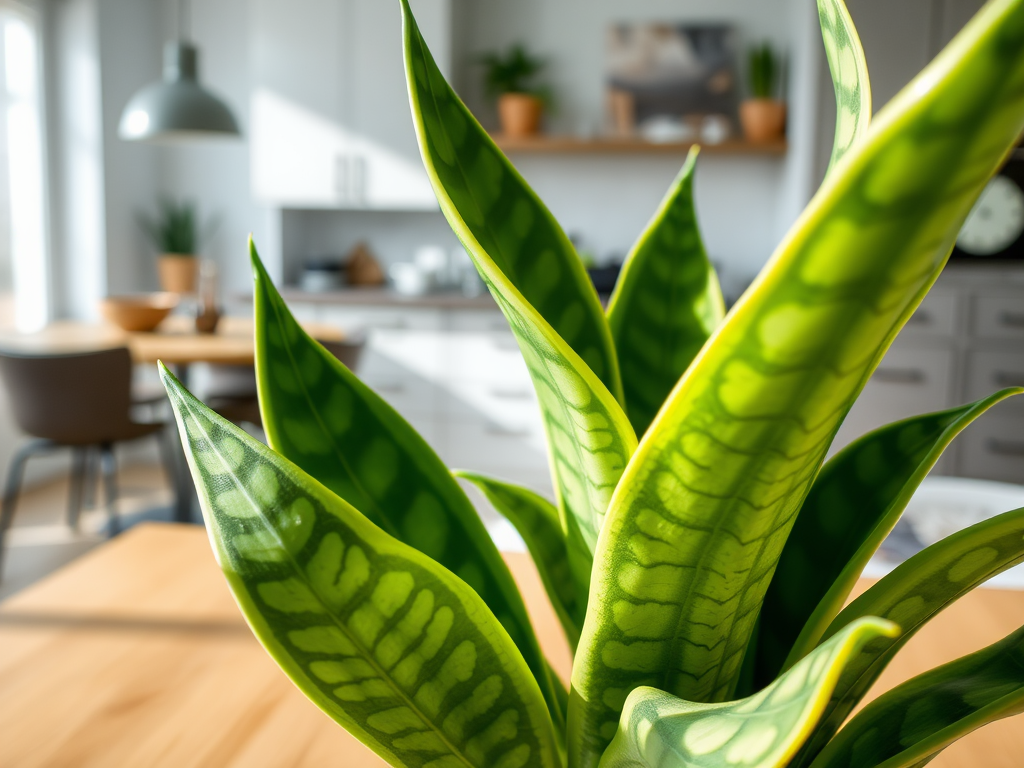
x: 231, y: 389
x: 79, y: 401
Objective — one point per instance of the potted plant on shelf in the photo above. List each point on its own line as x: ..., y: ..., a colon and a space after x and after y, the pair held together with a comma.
x: 763, y: 116
x: 699, y: 574
x: 174, y: 234
x: 509, y: 78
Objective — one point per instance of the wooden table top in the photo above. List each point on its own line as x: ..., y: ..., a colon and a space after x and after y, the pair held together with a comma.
x: 175, y: 341
x: 135, y: 656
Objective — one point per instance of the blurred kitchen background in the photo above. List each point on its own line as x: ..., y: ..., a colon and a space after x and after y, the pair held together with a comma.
x: 326, y: 176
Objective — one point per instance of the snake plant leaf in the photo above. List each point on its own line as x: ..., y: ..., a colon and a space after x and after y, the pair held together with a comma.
x: 849, y: 67
x: 659, y: 730
x: 666, y: 303
x: 538, y: 282
x: 499, y: 217
x: 320, y: 416
x: 701, y: 515
x: 536, y: 520
x: 854, y: 503
x: 910, y: 596
x: 392, y: 646
x: 913, y: 722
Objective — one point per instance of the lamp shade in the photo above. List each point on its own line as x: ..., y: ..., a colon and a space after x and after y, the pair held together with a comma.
x: 178, y: 108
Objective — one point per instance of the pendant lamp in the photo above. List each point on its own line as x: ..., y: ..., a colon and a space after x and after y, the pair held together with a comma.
x: 177, y: 108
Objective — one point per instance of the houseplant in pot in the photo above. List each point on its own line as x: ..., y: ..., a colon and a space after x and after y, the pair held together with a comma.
x: 699, y: 551
x: 174, y: 234
x: 763, y: 116
x: 510, y: 78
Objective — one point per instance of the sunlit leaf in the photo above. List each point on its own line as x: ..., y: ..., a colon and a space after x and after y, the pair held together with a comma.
x: 702, y: 513
x: 538, y: 282
x: 910, y: 596
x: 853, y: 505
x: 666, y: 303
x: 659, y: 730
x: 909, y: 725
x: 849, y: 69
x: 392, y: 646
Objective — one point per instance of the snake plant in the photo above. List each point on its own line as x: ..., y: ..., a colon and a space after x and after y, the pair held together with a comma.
x: 700, y: 550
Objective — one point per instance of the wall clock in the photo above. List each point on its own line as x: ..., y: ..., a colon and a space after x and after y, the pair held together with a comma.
x: 994, y: 230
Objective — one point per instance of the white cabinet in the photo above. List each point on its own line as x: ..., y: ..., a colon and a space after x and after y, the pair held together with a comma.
x: 330, y: 120
x: 965, y: 343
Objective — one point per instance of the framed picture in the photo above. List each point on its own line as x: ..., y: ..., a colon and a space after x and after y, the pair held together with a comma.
x: 663, y: 73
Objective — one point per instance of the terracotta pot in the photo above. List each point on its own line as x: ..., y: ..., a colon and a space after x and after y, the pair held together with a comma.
x: 178, y: 272
x: 764, y: 120
x: 519, y: 114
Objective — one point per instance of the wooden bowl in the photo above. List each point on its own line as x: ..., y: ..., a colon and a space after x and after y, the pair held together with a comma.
x: 142, y: 312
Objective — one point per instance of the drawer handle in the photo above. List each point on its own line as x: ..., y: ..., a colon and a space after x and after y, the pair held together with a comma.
x: 1011, y: 319
x: 900, y: 376
x: 502, y: 431
x: 921, y: 317
x: 1006, y: 448
x: 1005, y: 379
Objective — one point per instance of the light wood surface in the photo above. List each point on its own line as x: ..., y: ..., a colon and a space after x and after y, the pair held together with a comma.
x: 612, y: 146
x: 135, y: 656
x: 175, y: 341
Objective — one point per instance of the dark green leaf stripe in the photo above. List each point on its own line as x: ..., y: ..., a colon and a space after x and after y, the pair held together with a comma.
x: 320, y: 416
x: 854, y: 503
x: 521, y: 256
x: 666, y: 303
x: 702, y: 513
x: 659, y: 730
x: 499, y: 218
x: 391, y: 645
x: 912, y: 723
x: 849, y: 69
x: 536, y: 519
x: 910, y: 596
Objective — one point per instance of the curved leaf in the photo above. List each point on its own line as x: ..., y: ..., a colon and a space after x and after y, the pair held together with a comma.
x: 701, y: 515
x: 400, y: 652
x: 666, y: 303
x: 536, y: 520
x: 849, y: 69
x: 320, y: 416
x: 658, y: 730
x: 913, y: 722
x: 853, y: 505
x: 538, y: 281
x: 910, y: 596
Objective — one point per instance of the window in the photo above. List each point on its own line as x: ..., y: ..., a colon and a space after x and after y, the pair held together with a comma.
x: 24, y: 295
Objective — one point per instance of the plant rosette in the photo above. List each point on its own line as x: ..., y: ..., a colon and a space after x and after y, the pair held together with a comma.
x: 701, y: 574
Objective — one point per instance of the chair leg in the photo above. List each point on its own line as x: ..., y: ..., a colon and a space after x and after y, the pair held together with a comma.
x: 76, y: 488
x: 13, y: 487
x: 109, y: 465
x: 89, y: 479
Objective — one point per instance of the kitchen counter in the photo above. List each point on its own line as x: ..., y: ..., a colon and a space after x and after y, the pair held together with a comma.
x: 385, y: 297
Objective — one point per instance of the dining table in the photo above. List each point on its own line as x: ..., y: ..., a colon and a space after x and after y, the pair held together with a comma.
x: 136, y: 656
x: 175, y: 342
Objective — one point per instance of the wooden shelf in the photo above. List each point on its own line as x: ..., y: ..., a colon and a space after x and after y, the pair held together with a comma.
x: 610, y: 146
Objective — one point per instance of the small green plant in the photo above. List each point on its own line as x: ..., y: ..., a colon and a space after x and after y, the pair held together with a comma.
x: 701, y: 573
x: 764, y: 71
x: 512, y: 72
x: 175, y: 228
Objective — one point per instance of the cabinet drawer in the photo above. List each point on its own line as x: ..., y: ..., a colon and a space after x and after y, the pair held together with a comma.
x: 993, y: 448
x: 908, y: 382
x: 937, y: 316
x: 988, y: 372
x: 999, y: 316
